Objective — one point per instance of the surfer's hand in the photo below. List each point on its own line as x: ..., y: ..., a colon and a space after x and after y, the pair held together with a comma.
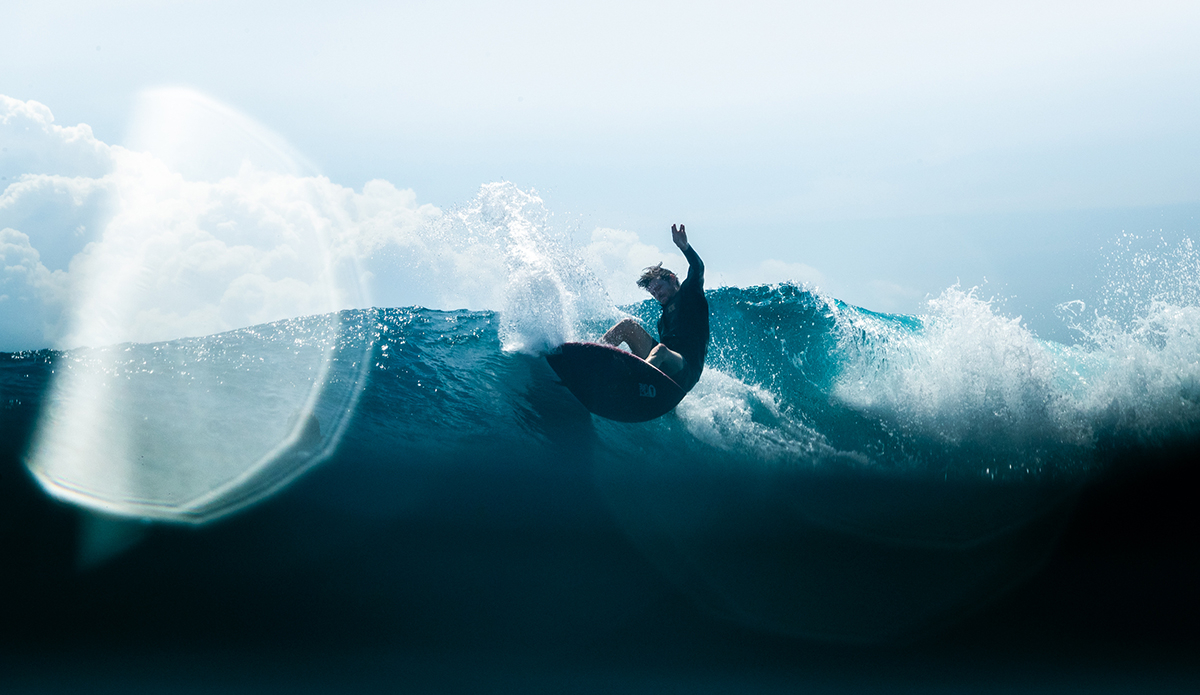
x: 679, y: 237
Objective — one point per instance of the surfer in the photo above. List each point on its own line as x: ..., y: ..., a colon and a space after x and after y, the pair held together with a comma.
x: 683, y: 326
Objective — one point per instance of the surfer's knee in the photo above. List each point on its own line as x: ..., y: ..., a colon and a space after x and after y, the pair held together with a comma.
x: 618, y: 333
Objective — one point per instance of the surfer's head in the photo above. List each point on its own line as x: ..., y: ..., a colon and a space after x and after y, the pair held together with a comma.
x: 659, y: 282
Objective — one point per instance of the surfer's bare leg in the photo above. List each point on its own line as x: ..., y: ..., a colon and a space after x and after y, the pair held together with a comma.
x: 665, y: 359
x: 631, y: 332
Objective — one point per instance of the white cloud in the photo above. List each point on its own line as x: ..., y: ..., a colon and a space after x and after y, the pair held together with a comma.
x: 62, y: 213
x: 31, y: 295
x: 140, y: 253
x: 194, y: 258
x: 31, y: 143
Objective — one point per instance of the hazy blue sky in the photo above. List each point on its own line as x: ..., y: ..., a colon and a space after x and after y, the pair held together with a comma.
x: 890, y: 148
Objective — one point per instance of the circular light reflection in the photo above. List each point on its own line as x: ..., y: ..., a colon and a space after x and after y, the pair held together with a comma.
x: 214, y: 364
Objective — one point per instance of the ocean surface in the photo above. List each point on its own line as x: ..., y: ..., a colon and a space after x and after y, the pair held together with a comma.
x: 406, y: 495
x: 838, y: 478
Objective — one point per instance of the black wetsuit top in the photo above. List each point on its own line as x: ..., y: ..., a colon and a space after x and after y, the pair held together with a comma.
x: 683, y: 326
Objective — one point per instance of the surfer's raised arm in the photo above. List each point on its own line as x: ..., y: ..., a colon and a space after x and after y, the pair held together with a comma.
x: 695, y: 265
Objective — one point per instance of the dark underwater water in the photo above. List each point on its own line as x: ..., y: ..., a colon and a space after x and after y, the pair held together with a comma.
x: 847, y: 502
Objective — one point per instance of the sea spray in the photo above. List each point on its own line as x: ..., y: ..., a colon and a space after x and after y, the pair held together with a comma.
x: 504, y: 239
x: 965, y: 374
x: 974, y: 379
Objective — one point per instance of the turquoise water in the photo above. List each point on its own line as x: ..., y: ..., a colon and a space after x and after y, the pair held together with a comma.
x: 836, y: 473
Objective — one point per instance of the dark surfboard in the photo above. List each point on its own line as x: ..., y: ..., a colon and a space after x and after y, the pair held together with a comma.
x: 613, y: 383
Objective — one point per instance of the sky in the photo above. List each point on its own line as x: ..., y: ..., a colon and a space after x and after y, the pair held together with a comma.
x: 882, y: 151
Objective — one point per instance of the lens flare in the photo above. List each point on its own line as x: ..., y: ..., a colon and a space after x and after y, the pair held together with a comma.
x: 146, y: 419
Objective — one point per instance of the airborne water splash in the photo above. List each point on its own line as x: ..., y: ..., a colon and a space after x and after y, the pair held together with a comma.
x: 540, y: 284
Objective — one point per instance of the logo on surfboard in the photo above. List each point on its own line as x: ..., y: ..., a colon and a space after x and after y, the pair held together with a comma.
x: 647, y: 390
